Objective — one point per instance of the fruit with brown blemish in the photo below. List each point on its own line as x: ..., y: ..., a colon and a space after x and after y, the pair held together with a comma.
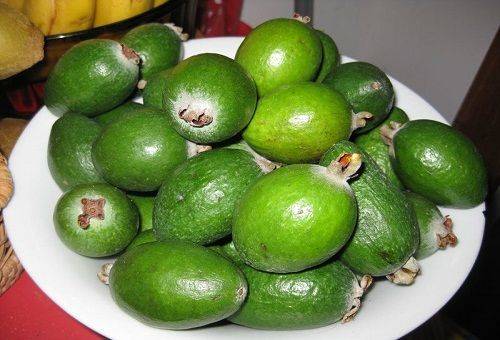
x: 208, y: 98
x: 297, y: 216
x: 95, y: 220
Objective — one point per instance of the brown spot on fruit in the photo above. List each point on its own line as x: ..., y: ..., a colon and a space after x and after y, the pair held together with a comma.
x: 263, y: 247
x: 91, y: 209
x: 376, y: 85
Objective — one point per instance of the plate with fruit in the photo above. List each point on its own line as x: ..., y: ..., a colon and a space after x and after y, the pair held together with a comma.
x: 261, y: 187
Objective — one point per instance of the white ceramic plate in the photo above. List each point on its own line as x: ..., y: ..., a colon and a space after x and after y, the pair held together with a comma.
x: 388, y: 311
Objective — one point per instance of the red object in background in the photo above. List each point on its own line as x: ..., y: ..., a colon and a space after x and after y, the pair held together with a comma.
x: 222, y: 17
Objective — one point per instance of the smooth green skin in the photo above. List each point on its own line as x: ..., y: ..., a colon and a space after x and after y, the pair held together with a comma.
x: 137, y: 152
x: 297, y: 123
x: 439, y: 163
x: 354, y: 80
x: 313, y: 298
x: 155, y: 87
x: 386, y: 233
x: 176, y: 285
x: 294, y: 218
x: 228, y: 250
x: 280, y: 51
x: 144, y: 204
x: 92, y: 77
x: 107, y: 118
x: 427, y: 216
x: 216, y: 85
x: 157, y: 44
x: 103, y: 237
x: 331, y: 56
x: 145, y: 236
x: 69, y: 152
x: 196, y: 202
x: 373, y: 144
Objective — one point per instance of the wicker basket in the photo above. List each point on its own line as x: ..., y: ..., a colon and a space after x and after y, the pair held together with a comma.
x: 10, y: 267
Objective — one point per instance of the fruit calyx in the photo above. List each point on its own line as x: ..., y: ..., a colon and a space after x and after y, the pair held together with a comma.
x: 302, y: 19
x: 360, y: 289
x: 103, y: 274
x: 447, y: 237
x: 193, y: 149
x: 91, y: 209
x: 131, y: 55
x: 195, y: 118
x: 346, y: 165
x: 359, y: 119
x: 388, y: 132
x: 406, y: 274
x: 178, y: 31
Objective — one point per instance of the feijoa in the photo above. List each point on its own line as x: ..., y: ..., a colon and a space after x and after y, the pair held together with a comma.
x: 438, y: 162
x: 137, y: 151
x: 366, y: 88
x: 331, y: 56
x: 297, y: 216
x: 70, y: 151
x: 209, y: 98
x: 197, y: 200
x: 280, y: 51
x: 176, y: 285
x: 104, y: 119
x: 144, y: 203
x: 435, y: 229
x: 313, y: 298
x: 95, y: 220
x: 93, y: 77
x: 375, y: 146
x: 145, y: 236
x: 155, y: 88
x: 297, y: 123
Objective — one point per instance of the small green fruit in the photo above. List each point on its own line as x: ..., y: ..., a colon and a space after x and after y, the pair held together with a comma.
x: 331, y: 56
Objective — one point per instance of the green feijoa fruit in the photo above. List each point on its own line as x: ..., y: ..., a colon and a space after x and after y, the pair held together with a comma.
x: 331, y: 56
x: 297, y: 123
x: 196, y: 201
x: 312, y: 298
x: 144, y: 204
x: 93, y: 77
x: 297, y: 216
x: 145, y: 236
x: 155, y: 88
x: 209, y: 98
x: 106, y: 118
x: 280, y: 51
x: 137, y: 152
x: 438, y: 162
x: 366, y: 88
x: 375, y: 146
x: 228, y: 250
x: 176, y: 285
x: 95, y: 220
x: 69, y: 152
x: 158, y: 45
x: 435, y: 229
x: 386, y: 234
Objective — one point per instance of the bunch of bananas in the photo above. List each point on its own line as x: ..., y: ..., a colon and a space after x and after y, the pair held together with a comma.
x: 64, y: 16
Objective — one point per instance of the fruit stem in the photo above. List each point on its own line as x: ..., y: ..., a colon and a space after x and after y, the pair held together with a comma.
x: 103, y: 274
x: 195, y: 118
x: 388, y: 132
x: 346, y: 165
x: 91, y: 209
x: 193, y: 149
x: 141, y: 84
x: 359, y: 119
x: 406, y: 274
x: 359, y: 290
x: 447, y: 238
x: 302, y: 19
x: 178, y: 30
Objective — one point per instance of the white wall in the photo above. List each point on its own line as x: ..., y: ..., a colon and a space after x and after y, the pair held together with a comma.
x: 435, y: 47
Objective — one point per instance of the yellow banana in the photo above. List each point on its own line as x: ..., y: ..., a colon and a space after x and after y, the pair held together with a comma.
x: 60, y: 16
x: 109, y: 11
x: 17, y: 4
x: 159, y: 2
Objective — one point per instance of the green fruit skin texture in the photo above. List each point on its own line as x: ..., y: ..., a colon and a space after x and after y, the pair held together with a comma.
x: 157, y: 44
x: 294, y: 218
x: 137, y: 152
x: 93, y: 77
x: 297, y: 123
x: 102, y: 237
x: 386, y: 233
x: 280, y: 51
x: 439, y: 163
x: 331, y: 56
x: 145, y: 236
x: 313, y: 298
x: 144, y: 204
x: 176, y: 285
x: 366, y: 88
x: 107, y: 118
x: 215, y: 85
x: 155, y: 87
x: 70, y: 151
x: 430, y: 222
x: 196, y: 203
x: 228, y: 250
x: 374, y: 146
